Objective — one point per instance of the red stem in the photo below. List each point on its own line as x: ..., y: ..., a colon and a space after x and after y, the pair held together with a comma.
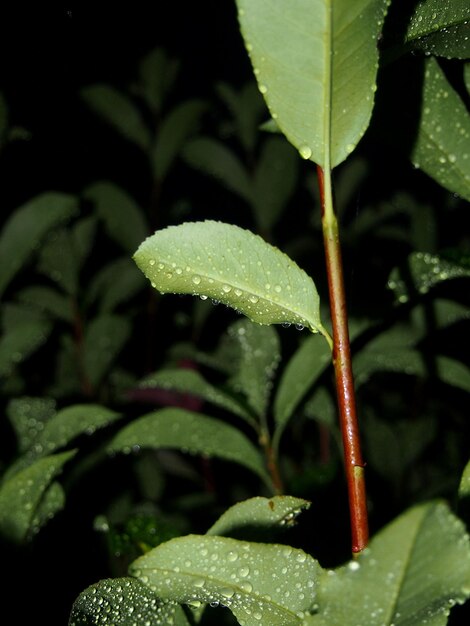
x: 354, y: 464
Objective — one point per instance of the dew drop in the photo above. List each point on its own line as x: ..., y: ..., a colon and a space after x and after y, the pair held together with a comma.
x: 226, y: 288
x: 305, y: 151
x: 254, y: 299
x: 278, y: 288
x: 244, y: 571
x: 152, y: 262
x: 238, y: 292
x: 196, y: 279
x: 263, y: 89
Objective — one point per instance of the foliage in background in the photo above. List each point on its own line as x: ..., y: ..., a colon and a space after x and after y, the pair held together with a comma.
x: 162, y: 418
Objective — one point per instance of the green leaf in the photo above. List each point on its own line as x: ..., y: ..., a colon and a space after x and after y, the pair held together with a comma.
x: 119, y: 111
x: 47, y: 300
x: 19, y: 342
x: 25, y: 228
x: 59, y: 260
x: 440, y: 28
x: 307, y: 364
x: 253, y: 580
x: 157, y: 74
x: 122, y: 217
x: 213, y: 158
x: 191, y: 382
x: 83, y: 234
x: 424, y: 271
x: 175, y: 129
x: 256, y: 363
x: 116, y: 283
x: 414, y: 571
x: 233, y: 266
x: 274, y: 181
x: 442, y: 144
x: 122, y: 601
x: 27, y: 416
x: 262, y: 513
x: 464, y: 487
x: 453, y: 372
x: 105, y: 337
x: 317, y: 86
x: 21, y: 497
x: 193, y: 433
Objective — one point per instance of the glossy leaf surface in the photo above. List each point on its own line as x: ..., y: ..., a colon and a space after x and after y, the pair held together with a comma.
x: 237, y: 574
x: 305, y: 55
x: 190, y: 432
x: 233, y: 266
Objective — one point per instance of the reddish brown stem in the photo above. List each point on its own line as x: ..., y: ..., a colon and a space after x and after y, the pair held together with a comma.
x: 354, y: 465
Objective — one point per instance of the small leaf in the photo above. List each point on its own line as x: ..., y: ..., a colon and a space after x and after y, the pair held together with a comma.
x: 47, y: 300
x: 123, y: 218
x: 105, y: 337
x: 119, y: 111
x: 25, y: 228
x: 122, y: 601
x: 28, y: 416
x: 464, y: 487
x: 423, y: 271
x: 414, y: 571
x: 193, y: 433
x: 234, y: 266
x: 157, y: 74
x: 18, y: 343
x: 440, y: 28
x: 190, y: 381
x: 274, y: 181
x: 253, y: 580
x: 453, y: 372
x: 307, y: 364
x: 442, y: 145
x: 116, y: 283
x: 59, y: 261
x: 261, y: 513
x: 22, y: 495
x: 256, y: 364
x: 213, y: 158
x: 317, y: 87
x: 83, y: 234
x: 172, y: 134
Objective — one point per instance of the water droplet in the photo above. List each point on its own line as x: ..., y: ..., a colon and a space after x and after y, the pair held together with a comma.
x: 263, y: 89
x: 196, y: 279
x: 305, y: 151
x: 238, y: 292
x: 353, y: 566
x: 202, y: 297
x: 254, y: 299
x: 152, y: 262
x: 226, y: 288
x: 350, y: 147
x: 278, y: 288
x: 244, y: 571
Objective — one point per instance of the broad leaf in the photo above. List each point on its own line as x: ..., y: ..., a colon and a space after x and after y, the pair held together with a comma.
x: 190, y: 381
x: 123, y: 602
x: 22, y: 497
x: 172, y: 134
x: 256, y: 363
x: 442, y: 145
x: 48, y: 300
x: 105, y: 337
x: 305, y: 55
x: 25, y: 228
x: 119, y: 111
x: 122, y: 217
x: 234, y: 266
x: 259, y: 513
x: 212, y: 157
x: 303, y: 369
x: 190, y: 432
x: 414, y: 571
x: 253, y: 580
x: 440, y: 28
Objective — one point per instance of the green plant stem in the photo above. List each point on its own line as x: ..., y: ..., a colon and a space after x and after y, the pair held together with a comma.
x: 354, y: 465
x: 271, y: 461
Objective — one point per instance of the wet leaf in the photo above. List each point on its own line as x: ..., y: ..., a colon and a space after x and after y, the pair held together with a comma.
x: 256, y: 363
x: 28, y: 416
x: 414, y: 571
x: 441, y: 28
x: 304, y: 54
x: 442, y: 145
x: 236, y: 574
x: 119, y: 111
x: 123, y: 602
x: 233, y: 266
x: 262, y: 513
x: 26, y: 227
x: 21, y: 496
x: 306, y: 365
x: 190, y: 432
x: 191, y: 381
